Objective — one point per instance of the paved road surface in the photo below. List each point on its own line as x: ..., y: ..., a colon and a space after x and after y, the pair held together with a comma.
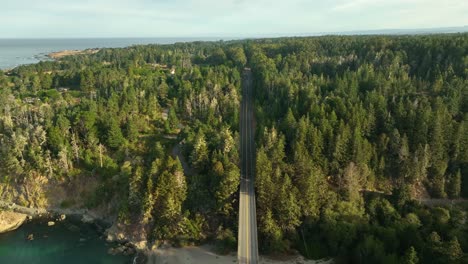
x: 247, y: 251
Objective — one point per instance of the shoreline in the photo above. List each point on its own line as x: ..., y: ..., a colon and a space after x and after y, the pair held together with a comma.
x: 51, y: 56
x: 204, y: 253
x: 40, y: 212
x: 207, y: 255
x: 10, y: 221
x: 23, y: 214
x: 64, y: 53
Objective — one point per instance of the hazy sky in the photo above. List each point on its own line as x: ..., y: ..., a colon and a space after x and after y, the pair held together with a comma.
x: 223, y: 18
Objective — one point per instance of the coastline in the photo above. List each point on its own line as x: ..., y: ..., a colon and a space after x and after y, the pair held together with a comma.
x: 10, y: 221
x: 39, y: 212
x: 147, y: 253
x: 18, y: 215
x: 35, y: 50
x: 206, y: 254
x: 64, y: 53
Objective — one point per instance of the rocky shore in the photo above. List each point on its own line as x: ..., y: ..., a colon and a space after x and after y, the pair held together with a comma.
x: 86, y: 215
x: 10, y: 221
x: 63, y: 53
x: 129, y: 242
x: 12, y: 216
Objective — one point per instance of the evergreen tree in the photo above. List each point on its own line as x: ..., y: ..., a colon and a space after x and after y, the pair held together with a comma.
x: 454, y: 185
x: 411, y: 256
x: 115, y: 138
x: 199, y: 155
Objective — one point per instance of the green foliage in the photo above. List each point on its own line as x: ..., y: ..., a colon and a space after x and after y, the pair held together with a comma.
x: 225, y: 240
x: 172, y: 121
x: 454, y: 185
x: 237, y: 55
x: 342, y: 123
x: 348, y: 130
x: 411, y: 256
x: 199, y: 156
x: 114, y: 137
x: 50, y: 94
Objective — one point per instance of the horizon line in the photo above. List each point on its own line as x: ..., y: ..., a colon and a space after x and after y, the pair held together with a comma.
x: 383, y: 31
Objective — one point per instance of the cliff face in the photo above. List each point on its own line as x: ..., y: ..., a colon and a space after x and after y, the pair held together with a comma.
x: 38, y: 197
x: 10, y: 220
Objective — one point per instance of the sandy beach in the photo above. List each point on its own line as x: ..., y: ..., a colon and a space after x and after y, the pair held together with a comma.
x: 205, y: 254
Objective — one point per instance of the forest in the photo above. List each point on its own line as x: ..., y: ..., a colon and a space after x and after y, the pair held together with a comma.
x: 361, y: 142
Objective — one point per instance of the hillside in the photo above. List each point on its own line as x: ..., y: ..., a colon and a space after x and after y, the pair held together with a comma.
x: 351, y: 131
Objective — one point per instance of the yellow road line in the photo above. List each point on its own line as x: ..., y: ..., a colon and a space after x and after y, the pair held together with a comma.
x: 247, y: 244
x: 247, y: 177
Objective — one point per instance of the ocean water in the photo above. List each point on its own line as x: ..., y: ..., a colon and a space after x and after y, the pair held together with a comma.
x: 68, y: 241
x: 15, y: 52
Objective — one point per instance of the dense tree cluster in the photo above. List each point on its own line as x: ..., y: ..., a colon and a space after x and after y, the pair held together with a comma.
x: 342, y: 117
x: 126, y: 118
x: 349, y: 132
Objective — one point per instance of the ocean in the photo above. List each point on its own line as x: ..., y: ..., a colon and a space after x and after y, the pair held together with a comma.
x: 69, y: 241
x: 15, y: 52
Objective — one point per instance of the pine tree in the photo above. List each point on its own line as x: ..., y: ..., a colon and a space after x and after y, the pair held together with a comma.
x: 438, y: 157
x: 115, y: 138
x: 131, y: 129
x: 170, y: 193
x: 411, y: 256
x: 289, y: 125
x: 453, y: 250
x: 454, y: 185
x: 87, y: 81
x: 199, y: 156
x: 227, y: 184
x: 263, y: 182
x: 134, y: 196
x: 172, y: 119
x: 351, y: 183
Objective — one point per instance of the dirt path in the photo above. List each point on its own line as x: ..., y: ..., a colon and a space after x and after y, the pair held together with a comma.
x: 177, y: 152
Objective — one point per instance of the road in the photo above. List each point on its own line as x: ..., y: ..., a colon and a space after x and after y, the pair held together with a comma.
x: 247, y: 251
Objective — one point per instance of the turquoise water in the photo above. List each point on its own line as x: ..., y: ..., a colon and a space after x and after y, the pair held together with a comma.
x: 14, y: 52
x: 69, y: 242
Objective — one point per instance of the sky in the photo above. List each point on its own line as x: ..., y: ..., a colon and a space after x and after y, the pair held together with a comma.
x: 220, y: 18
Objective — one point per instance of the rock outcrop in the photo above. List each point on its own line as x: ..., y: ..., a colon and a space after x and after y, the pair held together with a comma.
x: 10, y: 221
x: 123, y: 234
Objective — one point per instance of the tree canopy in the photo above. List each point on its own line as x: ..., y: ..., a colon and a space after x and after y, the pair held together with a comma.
x: 351, y: 132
